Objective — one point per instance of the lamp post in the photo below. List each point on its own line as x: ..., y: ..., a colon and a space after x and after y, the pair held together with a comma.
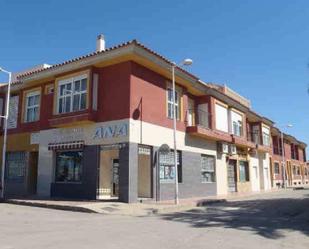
x: 186, y: 62
x: 5, y: 117
x: 283, y: 154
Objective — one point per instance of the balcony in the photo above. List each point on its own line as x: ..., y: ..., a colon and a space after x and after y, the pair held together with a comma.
x: 199, y: 124
x: 277, y: 151
x: 243, y: 142
x: 260, y: 145
x: 82, y: 117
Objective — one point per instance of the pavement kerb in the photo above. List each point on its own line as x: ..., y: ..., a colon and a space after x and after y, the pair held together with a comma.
x: 51, y: 206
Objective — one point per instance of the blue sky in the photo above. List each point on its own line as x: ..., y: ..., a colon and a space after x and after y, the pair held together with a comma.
x: 258, y: 48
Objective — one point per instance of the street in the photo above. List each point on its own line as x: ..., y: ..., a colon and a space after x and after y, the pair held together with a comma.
x: 273, y: 220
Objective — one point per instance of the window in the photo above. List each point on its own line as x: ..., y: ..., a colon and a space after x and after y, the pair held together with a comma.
x: 236, y: 120
x: 170, y: 101
x: 243, y: 171
x: 167, y: 168
x: 208, y: 169
x: 72, y: 94
x: 221, y: 118
x: 266, y: 139
x: 32, y: 111
x: 16, y: 165
x: 69, y: 166
x: 276, y: 168
x: 13, y: 112
x: 237, y: 128
x: 266, y: 136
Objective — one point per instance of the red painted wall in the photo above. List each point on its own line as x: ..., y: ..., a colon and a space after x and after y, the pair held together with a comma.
x: 148, y: 98
x: 114, y: 92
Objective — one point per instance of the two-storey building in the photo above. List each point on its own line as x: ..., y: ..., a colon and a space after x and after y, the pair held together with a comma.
x: 289, y: 162
x: 91, y: 128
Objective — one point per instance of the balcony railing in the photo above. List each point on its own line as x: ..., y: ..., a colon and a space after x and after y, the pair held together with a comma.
x: 254, y: 137
x: 277, y: 151
x: 198, y: 117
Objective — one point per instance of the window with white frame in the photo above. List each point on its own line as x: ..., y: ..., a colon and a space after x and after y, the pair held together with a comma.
x: 208, y: 172
x: 32, y: 106
x: 170, y: 101
x: 72, y: 94
x: 237, y: 126
x: 266, y: 136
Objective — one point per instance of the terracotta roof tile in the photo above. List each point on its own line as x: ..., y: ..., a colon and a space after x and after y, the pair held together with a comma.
x: 20, y: 77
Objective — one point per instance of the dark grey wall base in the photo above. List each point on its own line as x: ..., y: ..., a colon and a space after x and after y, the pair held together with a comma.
x: 87, y: 189
x: 191, y: 185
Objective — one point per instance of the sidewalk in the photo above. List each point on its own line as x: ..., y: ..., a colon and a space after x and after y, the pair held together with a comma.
x: 137, y: 209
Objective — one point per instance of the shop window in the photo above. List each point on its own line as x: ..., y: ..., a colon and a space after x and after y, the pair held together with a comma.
x: 72, y: 94
x: 170, y: 101
x: 32, y: 107
x: 167, y: 167
x: 276, y: 168
x: 208, y: 168
x: 243, y: 171
x: 69, y: 166
x: 15, y: 165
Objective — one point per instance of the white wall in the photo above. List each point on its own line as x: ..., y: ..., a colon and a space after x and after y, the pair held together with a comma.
x: 221, y: 118
x: 254, y: 173
x: 264, y: 170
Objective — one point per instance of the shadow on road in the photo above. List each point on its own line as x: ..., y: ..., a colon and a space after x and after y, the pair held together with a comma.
x: 265, y: 217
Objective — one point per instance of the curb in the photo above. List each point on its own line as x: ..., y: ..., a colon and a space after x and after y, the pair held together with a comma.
x: 204, y: 203
x: 51, y: 206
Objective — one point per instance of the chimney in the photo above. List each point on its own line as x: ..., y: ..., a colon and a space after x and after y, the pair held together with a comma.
x: 100, y: 43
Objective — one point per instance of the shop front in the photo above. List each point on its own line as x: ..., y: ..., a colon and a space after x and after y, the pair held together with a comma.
x: 21, y: 165
x: 95, y: 161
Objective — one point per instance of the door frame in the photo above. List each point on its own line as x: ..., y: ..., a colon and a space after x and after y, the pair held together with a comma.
x: 151, y: 169
x: 112, y: 177
x: 235, y: 175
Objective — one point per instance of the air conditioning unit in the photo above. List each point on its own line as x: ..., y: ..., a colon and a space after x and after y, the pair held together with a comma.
x: 223, y: 148
x: 232, y: 149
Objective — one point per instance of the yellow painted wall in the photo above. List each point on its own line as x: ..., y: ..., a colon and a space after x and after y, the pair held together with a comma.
x: 18, y: 142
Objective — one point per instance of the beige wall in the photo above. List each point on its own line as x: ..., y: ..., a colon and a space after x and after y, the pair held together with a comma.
x: 105, y: 178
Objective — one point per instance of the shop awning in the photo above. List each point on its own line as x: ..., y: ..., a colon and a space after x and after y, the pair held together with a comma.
x: 66, y: 145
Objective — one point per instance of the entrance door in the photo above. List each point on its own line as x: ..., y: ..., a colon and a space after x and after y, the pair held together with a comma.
x: 115, y: 177
x: 144, y: 172
x: 231, y: 176
x: 108, y: 159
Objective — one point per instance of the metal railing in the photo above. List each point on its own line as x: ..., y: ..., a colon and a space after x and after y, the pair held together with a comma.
x: 198, y: 117
x: 277, y: 151
x: 254, y: 137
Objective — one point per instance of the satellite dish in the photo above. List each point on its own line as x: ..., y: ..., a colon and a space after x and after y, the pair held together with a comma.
x: 164, y: 149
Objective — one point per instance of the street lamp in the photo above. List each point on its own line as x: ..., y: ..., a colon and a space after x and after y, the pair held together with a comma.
x: 283, y: 153
x: 186, y: 62
x: 5, y: 117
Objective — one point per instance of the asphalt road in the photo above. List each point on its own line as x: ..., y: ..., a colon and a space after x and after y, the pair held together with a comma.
x: 277, y: 221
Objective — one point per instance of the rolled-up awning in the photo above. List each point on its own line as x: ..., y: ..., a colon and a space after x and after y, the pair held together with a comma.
x: 66, y: 145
